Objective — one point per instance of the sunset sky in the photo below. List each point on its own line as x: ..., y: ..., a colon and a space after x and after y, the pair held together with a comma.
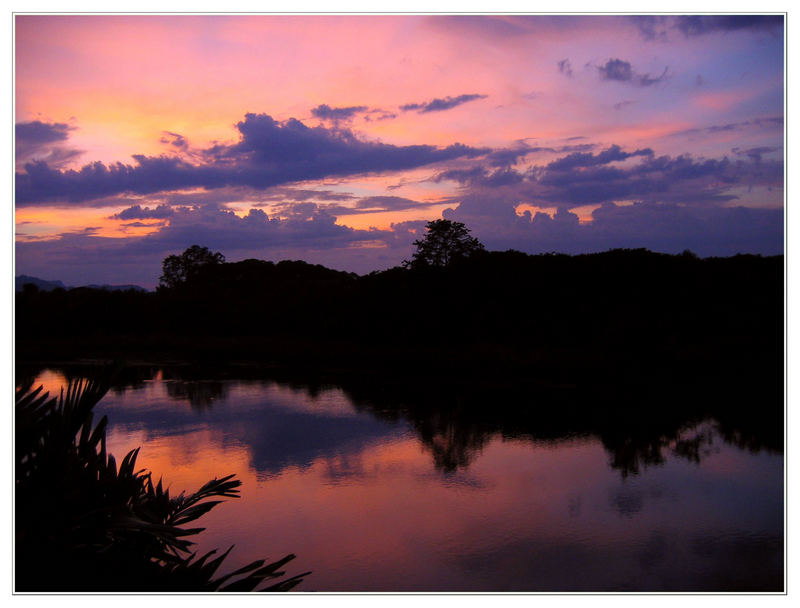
x: 334, y: 139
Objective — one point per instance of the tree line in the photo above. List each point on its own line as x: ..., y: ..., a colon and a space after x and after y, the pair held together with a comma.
x: 452, y: 304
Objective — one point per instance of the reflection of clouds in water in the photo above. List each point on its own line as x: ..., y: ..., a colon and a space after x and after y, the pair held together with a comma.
x: 327, y: 402
x: 280, y: 426
x: 52, y: 382
x: 347, y: 468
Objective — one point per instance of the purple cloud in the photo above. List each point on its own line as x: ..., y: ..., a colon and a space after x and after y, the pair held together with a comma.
x: 174, y: 139
x: 622, y: 71
x: 37, y: 132
x: 43, y: 141
x: 439, y: 105
x: 756, y: 153
x: 771, y: 122
x: 698, y: 25
x: 581, y: 159
x: 585, y: 178
x: 137, y: 212
x: 325, y: 112
x: 268, y: 153
x: 657, y: 27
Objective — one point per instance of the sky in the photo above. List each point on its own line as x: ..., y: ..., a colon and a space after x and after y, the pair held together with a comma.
x: 334, y: 139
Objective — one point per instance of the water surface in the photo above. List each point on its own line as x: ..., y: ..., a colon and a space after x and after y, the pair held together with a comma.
x: 373, y: 495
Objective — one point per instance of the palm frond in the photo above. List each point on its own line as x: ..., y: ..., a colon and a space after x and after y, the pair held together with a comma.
x: 85, y: 524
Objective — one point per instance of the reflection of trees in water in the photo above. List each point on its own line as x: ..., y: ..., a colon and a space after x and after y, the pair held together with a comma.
x: 631, y: 453
x: 456, y: 420
x: 201, y: 394
x: 454, y: 443
x: 455, y: 423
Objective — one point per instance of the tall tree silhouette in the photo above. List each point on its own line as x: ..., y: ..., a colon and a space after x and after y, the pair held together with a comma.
x: 178, y: 269
x: 444, y: 243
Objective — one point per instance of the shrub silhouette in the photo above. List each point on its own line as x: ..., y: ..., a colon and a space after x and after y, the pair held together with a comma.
x: 85, y: 524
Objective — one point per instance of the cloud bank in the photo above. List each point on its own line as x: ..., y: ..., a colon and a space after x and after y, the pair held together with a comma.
x: 268, y: 153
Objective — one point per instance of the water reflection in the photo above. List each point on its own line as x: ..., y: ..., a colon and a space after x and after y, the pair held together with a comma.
x: 388, y: 489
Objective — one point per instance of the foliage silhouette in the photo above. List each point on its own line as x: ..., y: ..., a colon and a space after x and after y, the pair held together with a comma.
x: 445, y: 242
x: 85, y: 524
x: 179, y: 269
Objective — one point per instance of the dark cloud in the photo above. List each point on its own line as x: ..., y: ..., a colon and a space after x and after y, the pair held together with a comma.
x: 616, y: 69
x: 283, y: 193
x: 658, y: 27
x: 389, y: 203
x: 174, y: 139
x: 576, y: 147
x: 37, y: 132
x: 377, y: 114
x: 565, y: 67
x: 623, y: 104
x: 771, y: 122
x: 386, y: 203
x: 583, y: 159
x: 505, y: 157
x: 469, y: 176
x: 580, y: 178
x: 438, y: 105
x: 43, y: 141
x: 137, y: 212
x: 755, y: 154
x: 651, y: 27
x: 141, y: 225
x: 622, y: 71
x: 370, y: 204
x: 698, y: 25
x: 268, y: 153
x: 325, y: 112
x: 658, y: 179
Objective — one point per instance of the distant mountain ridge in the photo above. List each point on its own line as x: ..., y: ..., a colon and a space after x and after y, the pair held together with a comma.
x: 45, y: 285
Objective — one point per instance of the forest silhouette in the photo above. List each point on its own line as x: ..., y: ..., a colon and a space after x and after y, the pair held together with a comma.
x: 623, y: 317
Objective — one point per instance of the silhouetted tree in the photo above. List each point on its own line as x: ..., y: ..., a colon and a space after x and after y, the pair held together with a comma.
x: 444, y: 243
x: 180, y: 268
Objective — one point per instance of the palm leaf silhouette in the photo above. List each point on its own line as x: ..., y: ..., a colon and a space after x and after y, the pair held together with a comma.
x: 85, y: 524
